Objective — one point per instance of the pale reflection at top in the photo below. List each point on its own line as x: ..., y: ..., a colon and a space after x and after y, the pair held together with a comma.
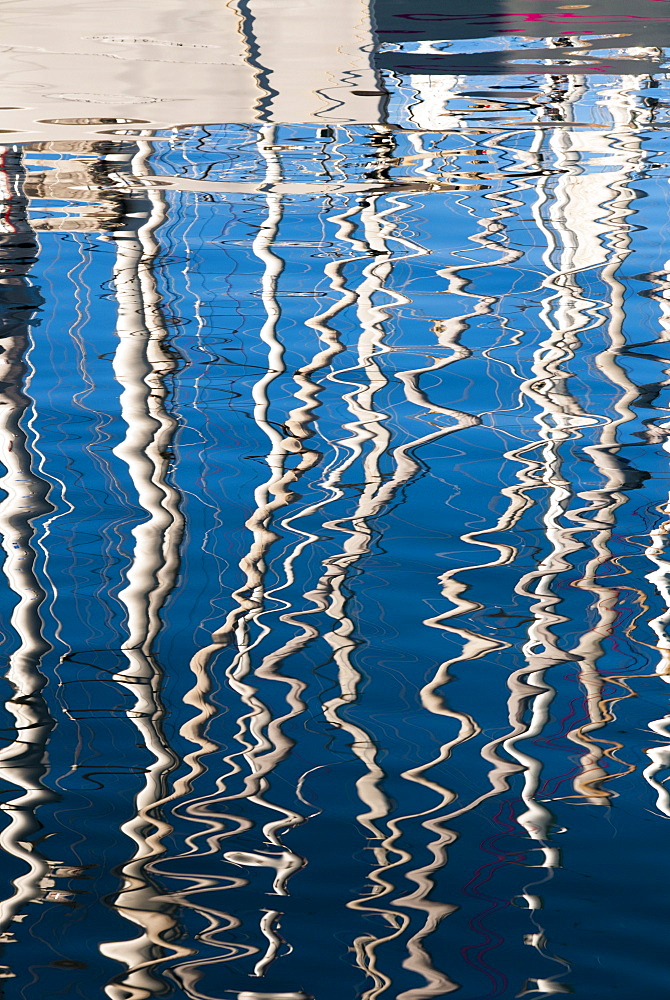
x: 86, y: 67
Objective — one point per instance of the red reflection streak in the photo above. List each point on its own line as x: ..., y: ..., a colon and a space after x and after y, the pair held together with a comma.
x: 552, y: 786
x: 570, y: 22
x: 482, y: 875
x: 587, y: 21
x: 543, y: 15
x: 568, y: 722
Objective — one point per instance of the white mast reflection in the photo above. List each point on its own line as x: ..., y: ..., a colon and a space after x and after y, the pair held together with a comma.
x: 23, y: 760
x: 141, y: 364
x: 263, y: 743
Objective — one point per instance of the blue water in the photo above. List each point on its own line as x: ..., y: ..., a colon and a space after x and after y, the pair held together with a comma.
x: 335, y: 591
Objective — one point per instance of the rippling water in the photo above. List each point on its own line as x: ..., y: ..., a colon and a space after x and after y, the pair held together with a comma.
x: 335, y: 505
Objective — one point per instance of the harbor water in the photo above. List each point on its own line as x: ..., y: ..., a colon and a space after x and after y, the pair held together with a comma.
x: 335, y: 500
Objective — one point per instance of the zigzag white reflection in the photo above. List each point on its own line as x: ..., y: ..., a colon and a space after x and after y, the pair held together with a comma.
x: 251, y: 598
x: 657, y: 552
x: 660, y: 577
x: 575, y: 241
x: 327, y: 595
x: 547, y: 388
x: 23, y: 759
x: 141, y: 365
x: 260, y: 735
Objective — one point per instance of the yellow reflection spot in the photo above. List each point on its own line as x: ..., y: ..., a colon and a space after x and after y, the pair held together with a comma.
x: 573, y: 6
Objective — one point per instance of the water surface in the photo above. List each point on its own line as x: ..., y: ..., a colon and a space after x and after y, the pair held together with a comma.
x: 334, y: 510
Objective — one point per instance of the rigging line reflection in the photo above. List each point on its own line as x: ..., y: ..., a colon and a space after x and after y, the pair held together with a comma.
x: 619, y: 477
x: 528, y: 685
x: 369, y: 320
x: 142, y: 363
x: 568, y: 416
x: 561, y: 417
x: 330, y: 595
x: 297, y: 423
x: 436, y: 982
x: 573, y: 239
x: 23, y: 761
x: 657, y: 553
x: 273, y: 748
x: 474, y: 646
x: 575, y: 219
x: 548, y: 382
x: 263, y: 742
x: 531, y: 692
